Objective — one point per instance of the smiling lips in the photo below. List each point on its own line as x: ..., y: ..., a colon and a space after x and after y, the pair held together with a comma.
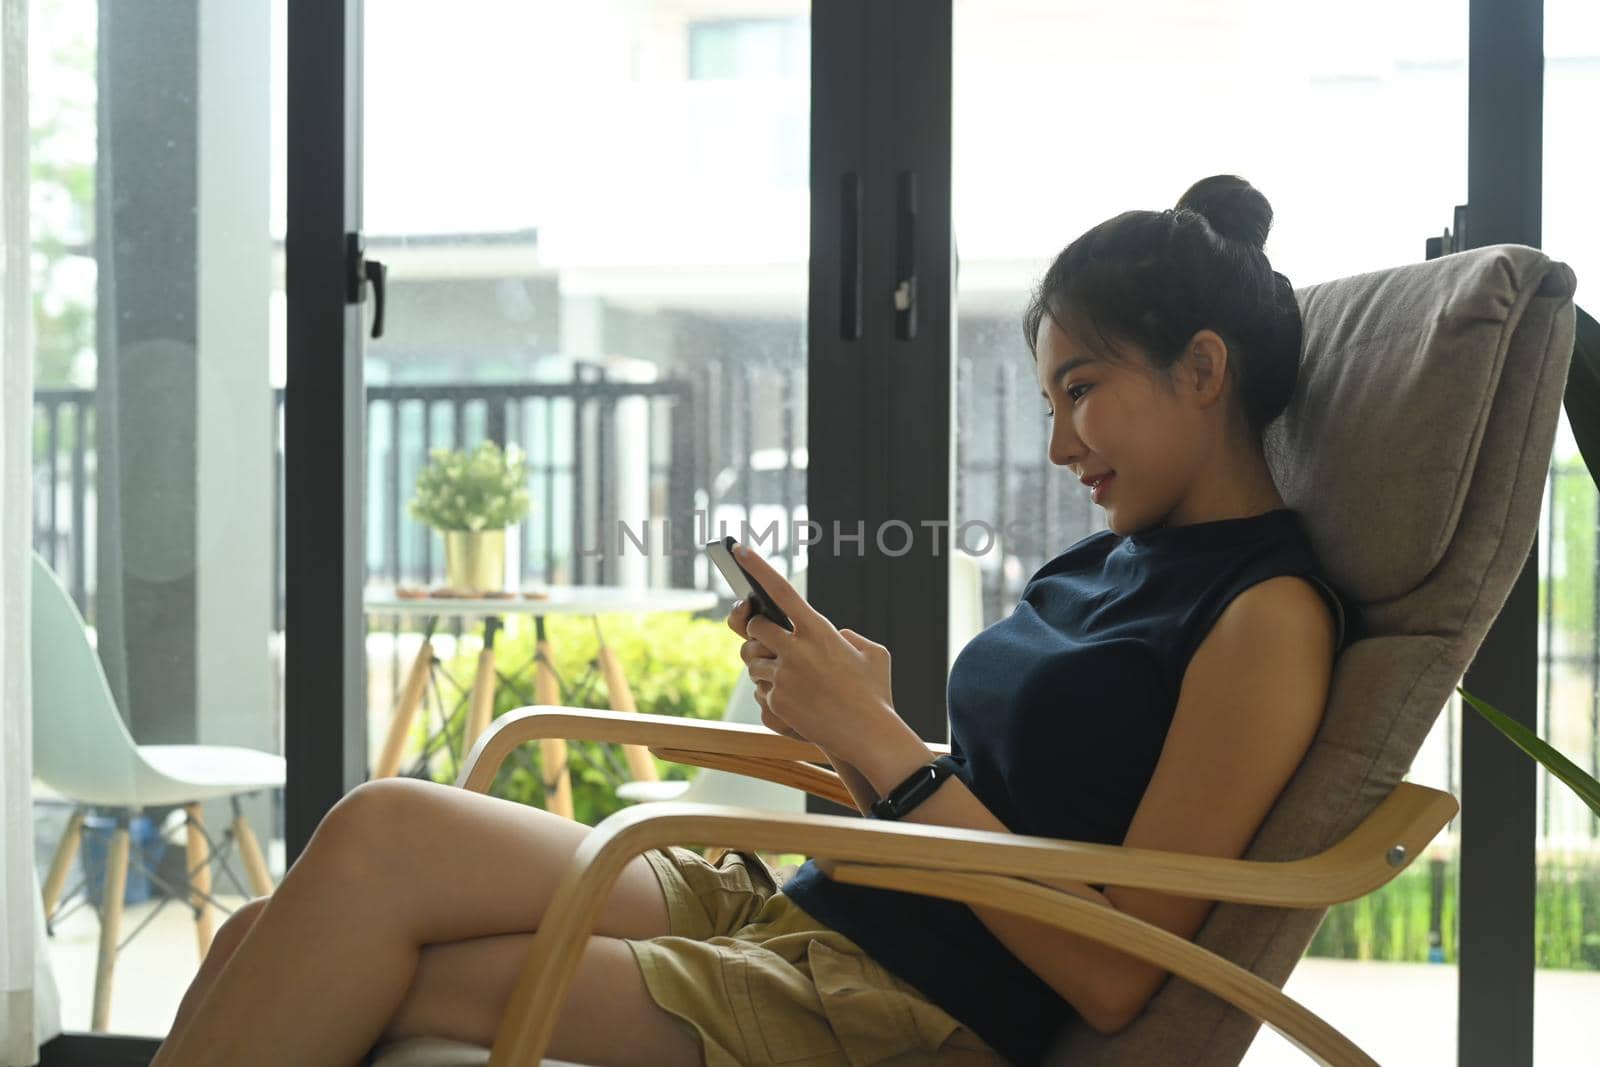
x: 1097, y: 486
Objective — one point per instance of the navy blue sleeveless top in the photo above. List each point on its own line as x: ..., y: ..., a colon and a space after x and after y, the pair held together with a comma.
x: 1057, y: 716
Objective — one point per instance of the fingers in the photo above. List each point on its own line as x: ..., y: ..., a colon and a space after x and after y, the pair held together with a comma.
x: 777, y: 586
x: 768, y: 632
x: 739, y: 616
x: 768, y: 718
x: 753, y: 650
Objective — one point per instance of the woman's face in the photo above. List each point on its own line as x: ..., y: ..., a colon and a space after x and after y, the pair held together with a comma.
x: 1118, y: 417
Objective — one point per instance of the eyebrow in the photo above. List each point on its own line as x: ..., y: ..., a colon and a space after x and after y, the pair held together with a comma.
x: 1062, y: 371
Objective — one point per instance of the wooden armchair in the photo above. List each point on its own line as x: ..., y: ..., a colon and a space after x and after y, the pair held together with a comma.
x: 1446, y: 377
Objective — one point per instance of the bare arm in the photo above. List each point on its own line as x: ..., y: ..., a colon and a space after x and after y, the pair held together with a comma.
x: 860, y: 789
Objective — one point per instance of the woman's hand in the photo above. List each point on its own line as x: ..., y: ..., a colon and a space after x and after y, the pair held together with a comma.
x: 753, y: 650
x: 818, y: 682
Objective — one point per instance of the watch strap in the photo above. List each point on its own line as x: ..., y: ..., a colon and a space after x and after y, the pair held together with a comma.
x: 918, y: 786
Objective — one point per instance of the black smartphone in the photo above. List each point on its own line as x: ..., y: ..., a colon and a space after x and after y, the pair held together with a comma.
x: 744, y: 586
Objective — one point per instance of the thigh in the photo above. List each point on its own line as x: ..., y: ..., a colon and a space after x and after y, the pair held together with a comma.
x: 783, y: 990
x: 450, y: 864
x: 461, y: 989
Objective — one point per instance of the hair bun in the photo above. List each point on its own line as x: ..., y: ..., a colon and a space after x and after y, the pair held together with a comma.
x: 1234, y: 208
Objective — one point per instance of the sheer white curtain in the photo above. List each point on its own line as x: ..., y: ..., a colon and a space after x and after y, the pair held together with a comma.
x: 30, y: 1008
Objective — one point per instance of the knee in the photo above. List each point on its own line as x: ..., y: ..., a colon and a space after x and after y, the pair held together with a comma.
x: 233, y: 929
x: 367, y: 824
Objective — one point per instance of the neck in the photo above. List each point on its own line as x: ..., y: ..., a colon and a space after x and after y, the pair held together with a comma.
x: 1236, y: 488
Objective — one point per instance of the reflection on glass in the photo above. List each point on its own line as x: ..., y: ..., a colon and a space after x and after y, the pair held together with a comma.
x: 1567, y: 901
x: 156, y: 715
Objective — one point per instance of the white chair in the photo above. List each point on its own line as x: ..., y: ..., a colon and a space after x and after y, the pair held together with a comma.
x: 83, y: 752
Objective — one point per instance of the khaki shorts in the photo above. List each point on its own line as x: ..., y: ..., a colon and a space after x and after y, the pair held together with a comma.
x: 762, y: 982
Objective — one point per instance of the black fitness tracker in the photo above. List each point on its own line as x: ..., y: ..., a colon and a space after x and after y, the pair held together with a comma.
x: 917, y: 787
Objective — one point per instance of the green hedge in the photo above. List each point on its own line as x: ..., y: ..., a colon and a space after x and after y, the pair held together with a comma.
x: 675, y: 665
x: 1393, y: 923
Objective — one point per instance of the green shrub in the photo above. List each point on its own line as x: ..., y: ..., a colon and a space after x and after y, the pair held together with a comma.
x: 675, y: 665
x: 1392, y: 924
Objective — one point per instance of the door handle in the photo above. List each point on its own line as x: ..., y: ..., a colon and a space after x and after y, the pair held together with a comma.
x: 359, y: 273
x: 905, y: 290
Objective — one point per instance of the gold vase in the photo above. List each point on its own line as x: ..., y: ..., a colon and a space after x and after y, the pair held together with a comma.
x: 475, y: 560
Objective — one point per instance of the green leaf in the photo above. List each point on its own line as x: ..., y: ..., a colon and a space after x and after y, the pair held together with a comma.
x: 1581, y: 783
x: 485, y: 489
x: 1582, y: 397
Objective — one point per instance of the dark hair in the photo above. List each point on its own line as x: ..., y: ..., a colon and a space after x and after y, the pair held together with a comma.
x: 1155, y: 278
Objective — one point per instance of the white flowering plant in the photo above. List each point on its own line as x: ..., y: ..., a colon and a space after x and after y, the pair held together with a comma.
x: 485, y: 489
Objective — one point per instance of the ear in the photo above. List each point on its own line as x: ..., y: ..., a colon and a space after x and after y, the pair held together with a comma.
x: 1205, y: 368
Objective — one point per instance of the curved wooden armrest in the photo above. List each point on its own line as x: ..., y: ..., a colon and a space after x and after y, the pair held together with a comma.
x: 949, y: 861
x: 744, y: 748
x: 818, y: 781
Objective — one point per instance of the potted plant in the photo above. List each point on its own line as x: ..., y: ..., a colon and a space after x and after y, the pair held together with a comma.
x: 470, y: 498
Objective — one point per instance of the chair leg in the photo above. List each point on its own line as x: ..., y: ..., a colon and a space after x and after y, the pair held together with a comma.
x: 110, y: 923
x: 200, y: 865
x: 255, y: 864
x: 640, y: 763
x: 480, y: 711
x: 66, y: 852
x: 552, y: 750
x: 405, y: 712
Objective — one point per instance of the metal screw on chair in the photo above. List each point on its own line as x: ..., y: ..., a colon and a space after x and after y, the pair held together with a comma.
x: 1396, y: 856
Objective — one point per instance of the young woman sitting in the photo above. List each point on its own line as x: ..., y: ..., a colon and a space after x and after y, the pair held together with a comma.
x: 1156, y: 686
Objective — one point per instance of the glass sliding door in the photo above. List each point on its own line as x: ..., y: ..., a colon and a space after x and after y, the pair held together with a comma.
x: 1352, y: 121
x: 1567, y: 904
x: 158, y: 317
x: 594, y: 220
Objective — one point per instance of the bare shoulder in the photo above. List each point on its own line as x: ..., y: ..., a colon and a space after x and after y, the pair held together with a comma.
x: 1289, y: 610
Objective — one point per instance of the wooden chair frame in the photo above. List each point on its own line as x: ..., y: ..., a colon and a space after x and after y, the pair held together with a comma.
x: 972, y: 866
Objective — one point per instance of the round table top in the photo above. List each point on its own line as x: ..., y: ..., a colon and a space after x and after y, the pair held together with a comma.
x: 557, y: 600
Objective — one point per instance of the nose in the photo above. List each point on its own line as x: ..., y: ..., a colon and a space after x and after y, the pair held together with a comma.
x: 1065, y: 448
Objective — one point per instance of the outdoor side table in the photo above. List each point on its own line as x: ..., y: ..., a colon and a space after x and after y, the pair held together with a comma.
x: 591, y: 600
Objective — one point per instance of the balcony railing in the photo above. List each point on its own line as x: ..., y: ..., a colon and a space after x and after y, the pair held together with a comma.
x: 600, y: 453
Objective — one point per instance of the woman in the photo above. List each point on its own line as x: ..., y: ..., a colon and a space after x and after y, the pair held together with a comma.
x: 1157, y: 685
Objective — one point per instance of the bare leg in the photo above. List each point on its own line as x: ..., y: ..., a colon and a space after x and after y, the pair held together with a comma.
x: 222, y: 946
x: 398, y: 865
x: 461, y: 989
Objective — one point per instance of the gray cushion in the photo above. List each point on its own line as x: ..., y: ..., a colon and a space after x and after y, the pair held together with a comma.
x: 1416, y: 447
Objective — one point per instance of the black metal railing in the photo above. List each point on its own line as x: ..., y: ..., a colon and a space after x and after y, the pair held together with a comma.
x: 602, y: 454
x: 63, y: 489
x: 586, y: 442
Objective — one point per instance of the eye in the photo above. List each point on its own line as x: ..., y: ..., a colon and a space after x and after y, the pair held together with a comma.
x: 1073, y: 392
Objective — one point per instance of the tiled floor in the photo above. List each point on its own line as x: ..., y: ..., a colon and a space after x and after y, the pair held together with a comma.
x: 1405, y: 1013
